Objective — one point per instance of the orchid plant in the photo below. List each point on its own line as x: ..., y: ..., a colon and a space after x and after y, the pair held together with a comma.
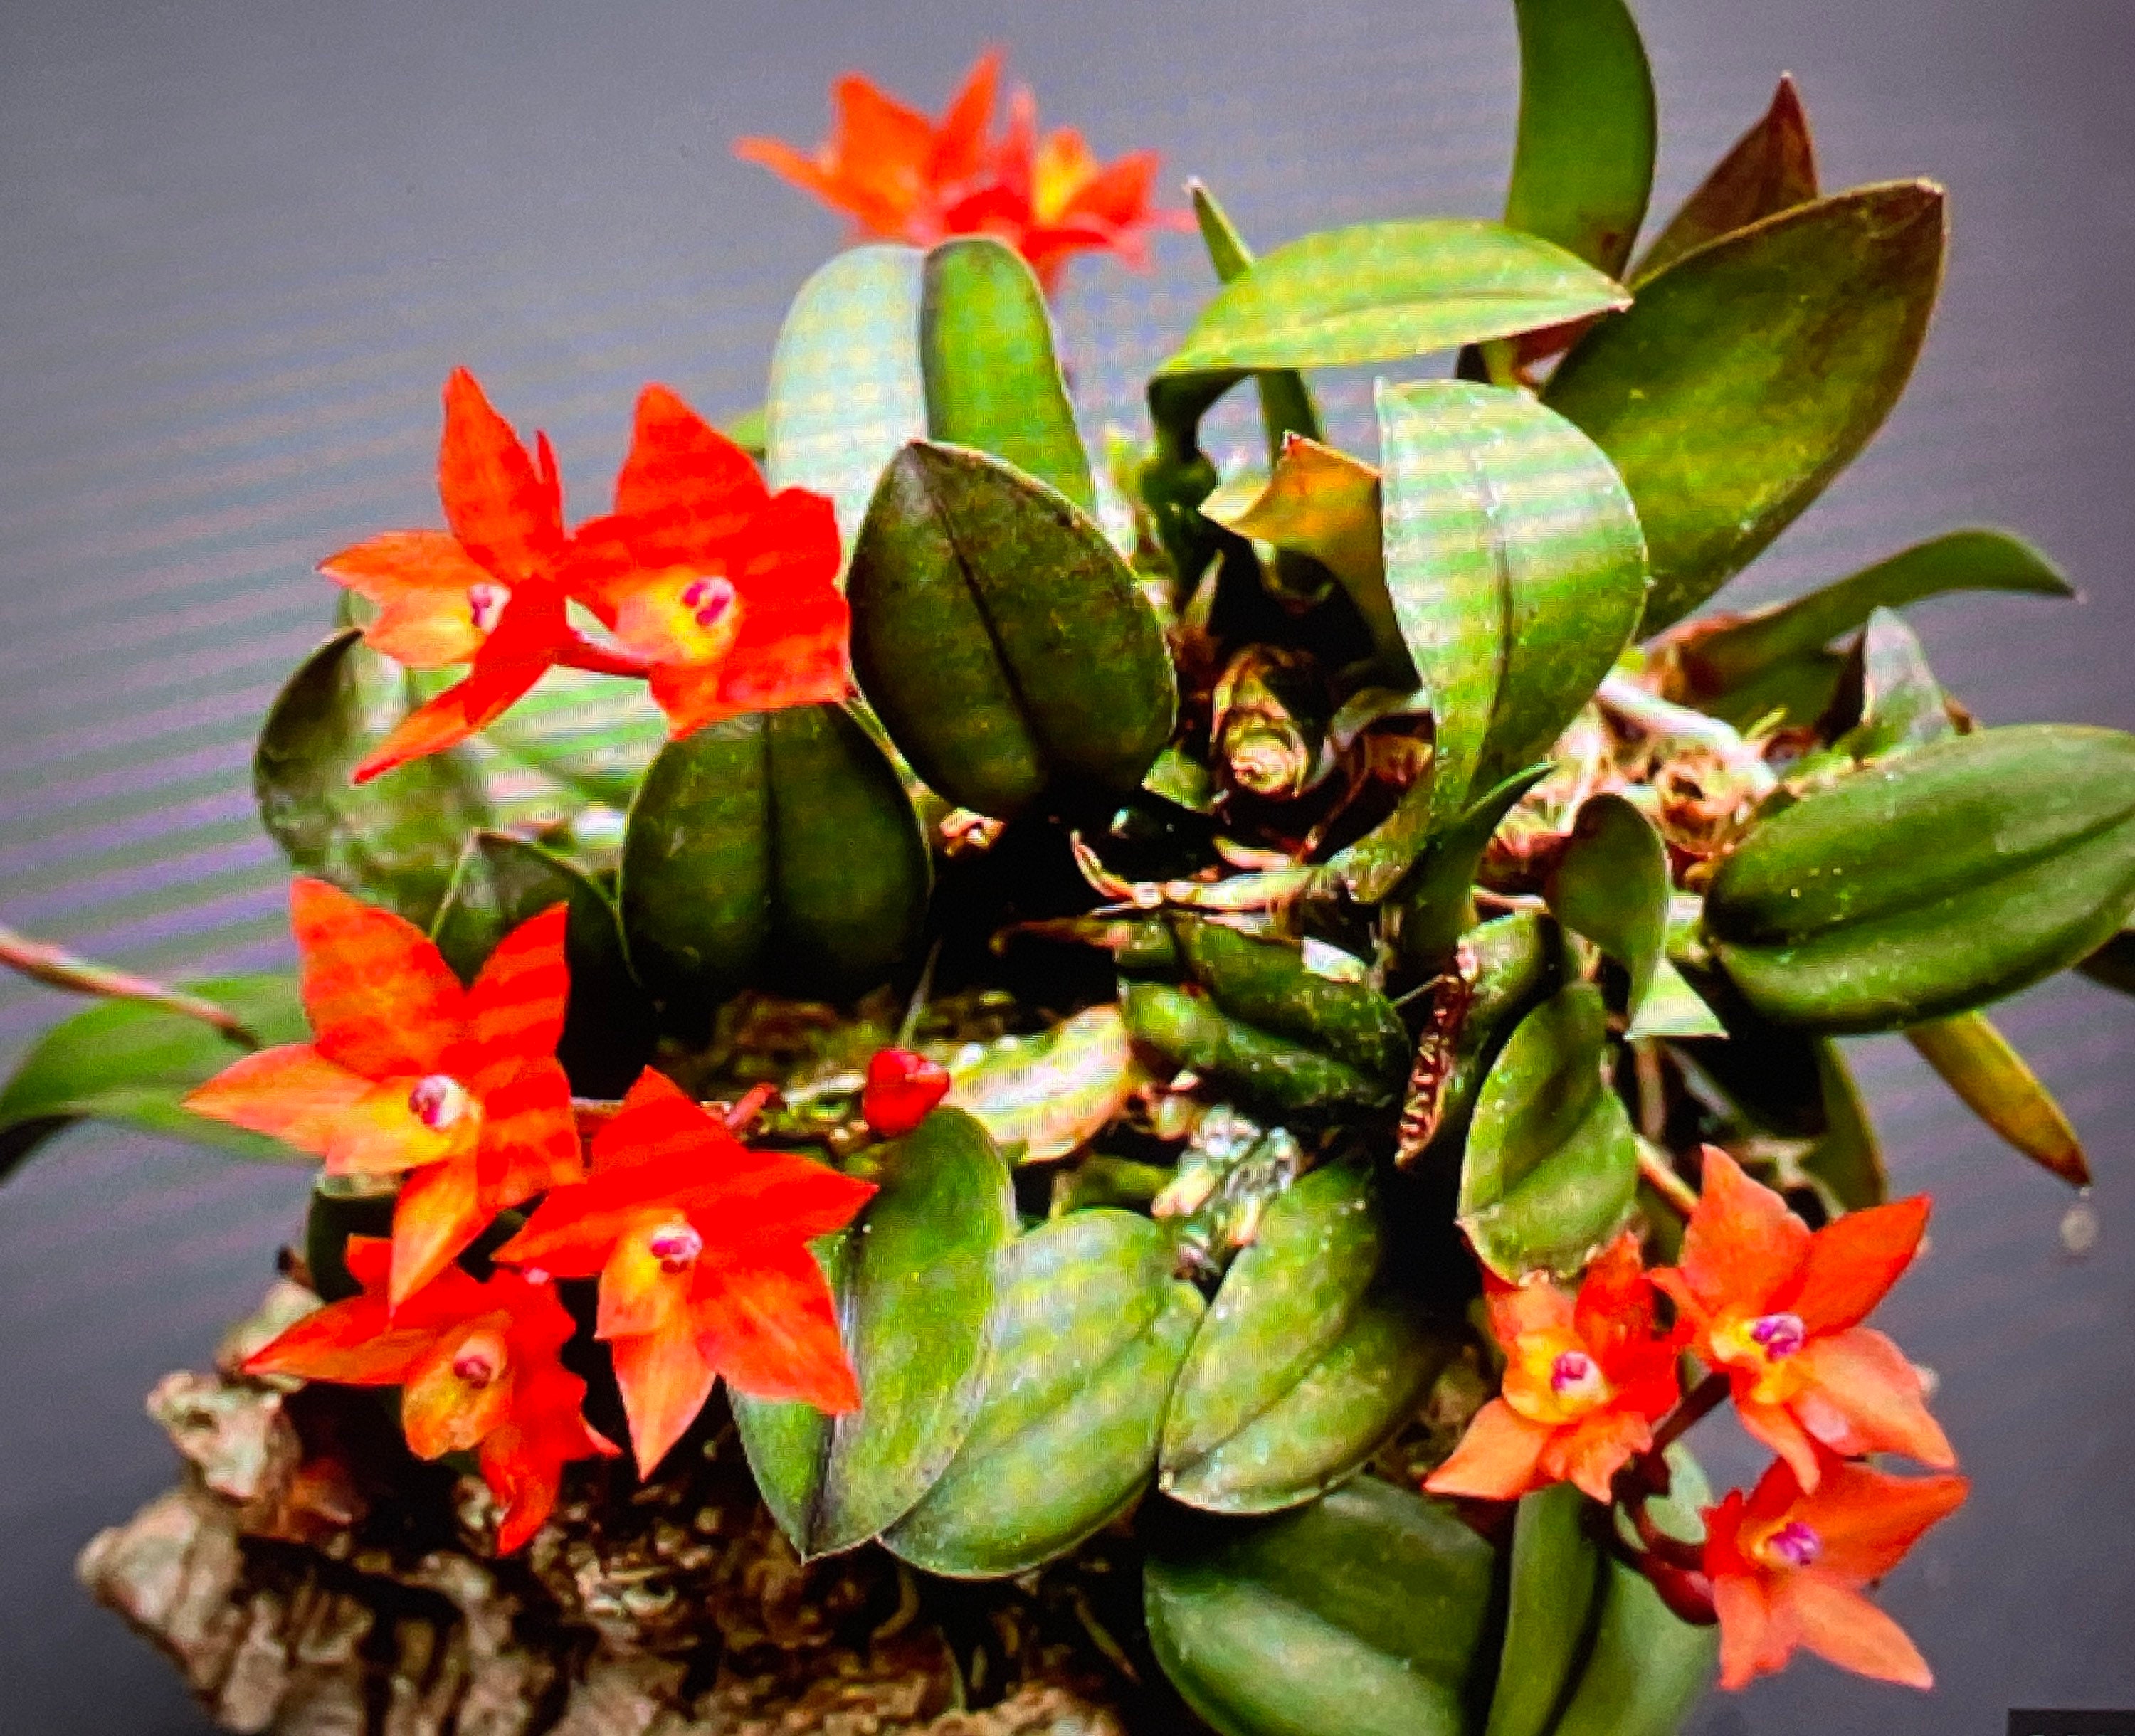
x: 1294, y: 1036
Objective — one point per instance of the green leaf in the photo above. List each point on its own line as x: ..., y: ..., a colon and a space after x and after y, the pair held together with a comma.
x: 1551, y: 1166
x: 1269, y: 985
x: 1088, y: 1330
x: 1045, y: 1096
x: 1932, y: 883
x: 1517, y: 571
x: 914, y: 1279
x: 1187, y: 1028
x: 1435, y: 900
x: 2114, y: 963
x: 847, y: 387
x: 502, y: 882
x: 1362, y: 1614
x: 749, y: 430
x: 1309, y: 1359
x: 1771, y: 168
x: 1673, y: 1007
x: 1286, y: 405
x: 985, y: 346
x: 1001, y: 639
x: 1556, y: 1576
x: 1979, y: 1063
x: 1371, y: 293
x: 778, y: 848
x: 1847, y: 1161
x: 1901, y: 703
x: 341, y: 1206
x: 392, y: 842
x: 1723, y: 655
x: 1583, y: 162
x: 1647, y: 1667
x: 130, y: 1063
x: 1611, y: 884
x: 1750, y: 372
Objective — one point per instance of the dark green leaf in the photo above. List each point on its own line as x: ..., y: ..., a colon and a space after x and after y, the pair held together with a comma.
x: 130, y: 1063
x: 1901, y: 703
x: 1772, y: 168
x: 778, y: 848
x: 847, y: 386
x: 1001, y: 639
x: 1611, y: 884
x: 341, y: 1206
x: 1307, y: 1361
x: 1088, y: 1331
x: 502, y: 882
x: 1516, y: 568
x: 1847, y: 1161
x: 1434, y: 900
x: 1187, y: 1028
x: 915, y: 1282
x: 392, y: 842
x: 1556, y: 1574
x: 1583, y: 163
x: 1978, y: 1062
x: 1551, y: 1165
x: 1268, y: 985
x: 1286, y: 405
x: 1362, y: 1614
x: 1751, y: 371
x: 985, y: 346
x: 1932, y: 883
x: 2114, y: 963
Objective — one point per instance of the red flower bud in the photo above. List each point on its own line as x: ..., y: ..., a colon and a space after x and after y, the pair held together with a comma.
x: 902, y: 1088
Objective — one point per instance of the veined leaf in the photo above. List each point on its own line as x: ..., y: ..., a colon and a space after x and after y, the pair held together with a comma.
x: 1611, y: 884
x: 1771, y: 168
x: 1515, y: 568
x: 1750, y: 374
x: 1286, y: 405
x: 1583, y: 162
x: 1979, y: 1063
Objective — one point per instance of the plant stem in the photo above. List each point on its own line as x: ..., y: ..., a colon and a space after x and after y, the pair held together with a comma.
x: 583, y: 653
x: 1705, y: 1398
x: 59, y: 968
x: 1659, y: 1173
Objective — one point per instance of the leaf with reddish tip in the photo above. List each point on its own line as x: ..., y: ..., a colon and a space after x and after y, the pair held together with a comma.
x: 1979, y: 1063
x: 1772, y: 168
x: 1044, y: 1097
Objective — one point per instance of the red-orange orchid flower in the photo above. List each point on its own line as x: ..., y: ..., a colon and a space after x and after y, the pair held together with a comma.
x: 1585, y: 1378
x: 728, y: 592
x: 1786, y: 1567
x: 409, y: 1072
x: 1779, y: 1309
x: 700, y: 1245
x: 483, y: 592
x: 904, y: 177
x: 479, y: 1369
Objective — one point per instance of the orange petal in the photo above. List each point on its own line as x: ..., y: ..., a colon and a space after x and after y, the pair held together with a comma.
x: 350, y: 1341
x: 959, y: 146
x: 1118, y: 194
x: 1775, y: 1427
x: 685, y: 489
x: 291, y: 1093
x: 1853, y: 1261
x: 1519, y: 1311
x: 525, y: 1478
x: 1742, y: 1245
x: 665, y: 1380
x: 1498, y: 1459
x: 1867, y: 1519
x: 529, y: 1137
x: 638, y: 1294
x: 503, y: 511
x: 770, y: 1327
x: 420, y: 581
x: 1591, y: 1452
x: 1866, y: 1377
x: 1615, y: 1307
x: 457, y: 712
x: 1838, y: 1624
x: 440, y: 1411
x: 381, y: 998
x: 516, y: 1009
x: 439, y: 1213
x: 1752, y: 1642
x: 881, y: 147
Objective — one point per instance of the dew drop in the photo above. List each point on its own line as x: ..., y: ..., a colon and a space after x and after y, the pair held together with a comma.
x: 2079, y: 1226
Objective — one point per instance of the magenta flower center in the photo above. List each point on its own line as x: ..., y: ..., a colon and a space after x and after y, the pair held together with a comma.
x: 1795, y: 1544
x: 439, y: 1100
x: 708, y: 599
x: 675, y: 1247
x: 1778, y: 1335
x: 485, y: 604
x: 476, y: 1368
x: 1573, y: 1375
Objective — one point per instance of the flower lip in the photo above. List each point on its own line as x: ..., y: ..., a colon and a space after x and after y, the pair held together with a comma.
x: 439, y: 1101
x: 1574, y: 1374
x: 486, y: 603
x: 708, y: 598
x: 1778, y: 1335
x: 1795, y: 1544
x: 675, y: 1245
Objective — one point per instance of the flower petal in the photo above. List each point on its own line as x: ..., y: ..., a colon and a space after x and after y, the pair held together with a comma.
x: 685, y: 489
x: 1751, y: 1640
x: 1742, y: 1244
x: 291, y: 1093
x: 504, y: 512
x: 1518, y: 1310
x: 349, y: 1342
x: 515, y: 1010
x: 770, y: 1327
x: 665, y: 1380
x: 439, y: 1213
x: 1853, y: 1261
x: 1868, y: 1519
x: 1840, y: 1625
x: 959, y: 145
x: 638, y: 1294
x: 457, y: 712
x: 529, y: 1137
x: 381, y: 1000
x: 1866, y: 1377
x: 1498, y: 1459
x: 1774, y: 1426
x: 420, y: 581
x: 1593, y: 1450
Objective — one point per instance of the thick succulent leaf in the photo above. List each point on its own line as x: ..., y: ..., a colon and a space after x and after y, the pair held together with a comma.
x: 1309, y: 1358
x: 1362, y: 1614
x: 1583, y: 162
x: 1611, y: 885
x: 1551, y: 1165
x: 1724, y: 655
x: 130, y: 1063
x: 915, y: 1281
x: 1979, y: 1063
x: 2114, y: 963
x: 502, y: 882
x: 1001, y: 639
x: 1933, y: 882
x: 779, y: 849
x: 985, y: 346
x: 1515, y: 568
x: 1673, y: 1007
x: 1371, y: 293
x: 1556, y: 1576
x: 847, y: 386
x: 1270, y: 985
x: 1771, y: 168
x: 1286, y: 405
x: 1846, y: 1160
x: 1750, y: 372
x: 393, y: 841
x: 1045, y: 1096
x: 1187, y: 1028
x: 1089, y: 1329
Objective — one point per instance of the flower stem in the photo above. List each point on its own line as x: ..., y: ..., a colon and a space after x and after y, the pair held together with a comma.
x: 1705, y: 1398
x: 1659, y: 1173
x: 59, y: 969
x: 580, y: 652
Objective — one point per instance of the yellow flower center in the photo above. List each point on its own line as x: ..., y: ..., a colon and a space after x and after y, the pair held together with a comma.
x: 441, y: 1102
x: 680, y: 615
x: 1551, y: 1377
x: 676, y: 1245
x: 1789, y: 1544
x: 1764, y: 1346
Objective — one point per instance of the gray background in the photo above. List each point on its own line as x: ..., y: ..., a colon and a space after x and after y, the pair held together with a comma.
x: 240, y: 243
